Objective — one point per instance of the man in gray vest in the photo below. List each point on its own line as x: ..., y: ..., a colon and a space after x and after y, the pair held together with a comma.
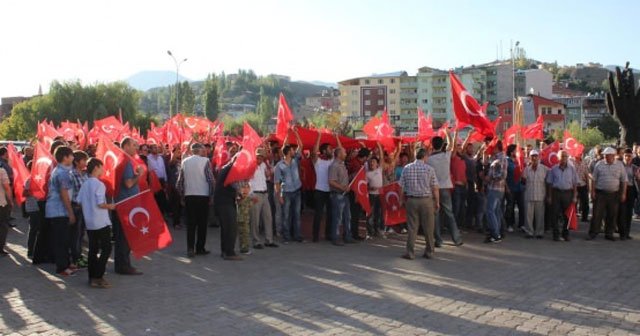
x: 195, y: 184
x: 608, y: 190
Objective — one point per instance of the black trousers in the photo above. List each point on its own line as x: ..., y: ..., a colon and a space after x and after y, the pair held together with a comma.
x: 34, y: 228
x: 197, y: 211
x: 43, y: 247
x: 561, y: 200
x: 99, y: 242
x: 176, y: 206
x: 626, y: 212
x: 321, y: 206
x: 228, y: 228
x: 514, y: 199
x: 605, y: 206
x: 583, y: 200
x: 121, y: 252
x: 356, y: 214
x: 60, y: 234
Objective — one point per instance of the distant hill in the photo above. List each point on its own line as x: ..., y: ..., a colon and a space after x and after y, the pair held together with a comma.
x: 320, y: 83
x: 145, y: 80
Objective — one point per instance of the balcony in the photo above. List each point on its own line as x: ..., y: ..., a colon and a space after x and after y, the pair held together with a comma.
x: 413, y: 84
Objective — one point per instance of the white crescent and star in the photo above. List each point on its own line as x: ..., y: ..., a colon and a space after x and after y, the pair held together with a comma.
x: 107, y: 129
x: 360, y: 190
x: 463, y: 99
x: 394, y: 207
x: 43, y: 160
x: 243, y: 164
x: 187, y: 122
x: 112, y: 155
x: 135, y: 211
x: 567, y: 143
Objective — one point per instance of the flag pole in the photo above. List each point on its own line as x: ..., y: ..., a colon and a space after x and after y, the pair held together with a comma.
x: 130, y: 197
x: 354, y: 179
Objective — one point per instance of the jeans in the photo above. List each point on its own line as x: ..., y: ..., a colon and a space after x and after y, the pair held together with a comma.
x: 494, y: 212
x: 99, y: 241
x: 374, y: 222
x: 472, y: 204
x: 121, y: 250
x: 481, y: 209
x: 291, y: 215
x: 322, y: 202
x: 446, y: 214
x: 458, y: 202
x: 341, y: 215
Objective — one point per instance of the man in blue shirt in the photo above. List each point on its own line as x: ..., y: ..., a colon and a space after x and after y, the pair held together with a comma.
x: 514, y: 194
x: 58, y: 209
x: 127, y: 187
x: 287, y: 187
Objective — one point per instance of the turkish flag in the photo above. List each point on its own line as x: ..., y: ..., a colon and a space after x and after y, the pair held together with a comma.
x: 68, y: 130
x: 109, y: 127
x: 491, y: 146
x: 549, y: 155
x: 571, y: 213
x: 534, y: 131
x: 307, y: 174
x: 41, y: 170
x: 510, y: 135
x: 172, y: 134
x: 571, y: 145
x: 143, y: 224
x: 467, y: 110
x: 380, y: 129
x: 476, y: 137
x: 394, y: 213
x: 46, y: 133
x: 220, y: 153
x: 114, y: 161
x: 284, y: 118
x: 20, y: 173
x: 441, y: 131
x: 425, y: 125
x: 143, y: 180
x: 246, y: 162
x: 154, y: 182
x: 361, y: 190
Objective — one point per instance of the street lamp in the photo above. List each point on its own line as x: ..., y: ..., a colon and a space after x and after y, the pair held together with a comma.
x: 513, y: 83
x: 177, y: 80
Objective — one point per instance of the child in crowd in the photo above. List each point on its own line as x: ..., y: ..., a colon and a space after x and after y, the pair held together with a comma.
x: 95, y: 209
x: 78, y: 176
x: 33, y: 213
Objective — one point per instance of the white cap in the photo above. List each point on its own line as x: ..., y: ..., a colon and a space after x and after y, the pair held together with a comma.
x: 608, y: 151
x: 534, y: 152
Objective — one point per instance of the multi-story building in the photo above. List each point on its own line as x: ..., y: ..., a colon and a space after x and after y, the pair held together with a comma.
x: 327, y: 100
x: 553, y: 113
x: 533, y: 81
x: 364, y: 97
x: 408, y: 104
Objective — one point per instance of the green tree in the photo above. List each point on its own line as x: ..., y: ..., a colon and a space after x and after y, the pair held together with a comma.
x: 589, y: 136
x: 210, y: 97
x: 608, y: 126
x: 267, y: 106
x: 234, y: 126
x: 187, y: 98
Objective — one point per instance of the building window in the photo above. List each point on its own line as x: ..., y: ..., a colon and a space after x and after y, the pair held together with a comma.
x: 392, y: 111
x: 392, y: 102
x: 425, y: 101
x: 559, y: 111
x: 380, y: 102
x: 380, y: 81
x: 392, y: 80
x: 366, y: 81
x: 380, y: 91
x: 354, y: 92
x: 367, y: 102
x: 367, y: 92
x: 392, y: 91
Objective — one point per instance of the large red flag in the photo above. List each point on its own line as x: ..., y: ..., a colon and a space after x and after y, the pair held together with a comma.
x: 109, y: 127
x: 571, y: 145
x: 20, y: 173
x: 535, y: 130
x: 284, y: 118
x: 444, y: 128
x: 425, y: 125
x: 41, y: 170
x: 361, y: 190
x: 143, y: 224
x: 380, y: 129
x: 510, y: 134
x: 113, y: 160
x: 549, y: 155
x: 246, y: 161
x: 220, y: 153
x: 467, y: 110
x: 46, y: 133
x: 394, y: 214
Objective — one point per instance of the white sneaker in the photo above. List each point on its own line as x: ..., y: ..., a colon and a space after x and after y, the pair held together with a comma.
x: 510, y: 229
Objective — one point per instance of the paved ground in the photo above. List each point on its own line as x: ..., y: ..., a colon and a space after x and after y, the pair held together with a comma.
x: 515, y: 288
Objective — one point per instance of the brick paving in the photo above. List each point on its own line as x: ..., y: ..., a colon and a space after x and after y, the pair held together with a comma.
x: 518, y: 287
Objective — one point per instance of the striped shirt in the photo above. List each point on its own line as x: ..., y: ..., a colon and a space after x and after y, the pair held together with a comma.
x: 583, y: 173
x: 607, y: 177
x: 535, y: 187
x: 418, y: 179
x: 497, y: 176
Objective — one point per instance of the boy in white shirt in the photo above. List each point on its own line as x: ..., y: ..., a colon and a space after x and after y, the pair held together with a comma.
x: 95, y: 209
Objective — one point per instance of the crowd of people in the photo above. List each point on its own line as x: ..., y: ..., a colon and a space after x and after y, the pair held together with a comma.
x: 446, y: 185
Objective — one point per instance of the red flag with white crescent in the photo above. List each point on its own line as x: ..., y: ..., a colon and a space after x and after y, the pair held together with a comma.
x: 467, y: 110
x: 510, y: 134
x: 46, y: 133
x: 114, y: 161
x: 394, y: 213
x: 534, y: 131
x: 246, y: 161
x: 41, y: 170
x: 20, y: 173
x: 571, y: 145
x: 108, y: 127
x: 549, y: 155
x: 143, y: 224
x: 425, y: 125
x: 361, y: 190
x: 284, y: 117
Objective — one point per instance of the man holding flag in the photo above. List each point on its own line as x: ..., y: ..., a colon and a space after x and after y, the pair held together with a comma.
x: 339, y: 184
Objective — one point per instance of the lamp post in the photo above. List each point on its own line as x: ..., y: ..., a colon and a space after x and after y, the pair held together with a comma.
x: 513, y: 83
x: 175, y: 61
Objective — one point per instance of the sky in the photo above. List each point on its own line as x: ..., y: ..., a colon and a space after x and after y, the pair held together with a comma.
x: 328, y: 40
